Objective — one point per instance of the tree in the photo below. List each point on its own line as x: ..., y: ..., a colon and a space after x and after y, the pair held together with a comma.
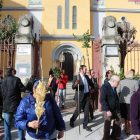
x: 85, y: 43
x: 127, y: 37
x: 8, y: 27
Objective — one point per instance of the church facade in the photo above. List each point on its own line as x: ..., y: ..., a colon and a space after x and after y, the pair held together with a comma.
x: 56, y: 22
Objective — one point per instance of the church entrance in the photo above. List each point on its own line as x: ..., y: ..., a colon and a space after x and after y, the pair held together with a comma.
x: 73, y: 57
x: 68, y: 65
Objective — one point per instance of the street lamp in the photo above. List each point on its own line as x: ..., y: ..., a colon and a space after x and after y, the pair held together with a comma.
x: 62, y: 59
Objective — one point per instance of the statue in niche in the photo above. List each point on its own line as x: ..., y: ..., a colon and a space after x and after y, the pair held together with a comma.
x: 109, y: 31
x: 25, y: 30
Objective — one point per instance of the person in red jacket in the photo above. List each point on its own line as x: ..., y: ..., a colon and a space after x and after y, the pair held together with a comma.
x: 62, y: 88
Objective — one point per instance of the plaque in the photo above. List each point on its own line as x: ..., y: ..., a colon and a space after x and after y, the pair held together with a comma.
x: 23, y: 49
x: 112, y: 50
x: 23, y: 69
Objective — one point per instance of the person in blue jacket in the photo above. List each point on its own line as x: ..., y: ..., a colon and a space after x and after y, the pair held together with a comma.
x: 49, y: 123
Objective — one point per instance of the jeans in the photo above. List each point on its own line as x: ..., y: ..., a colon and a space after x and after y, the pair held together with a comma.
x: 7, y: 127
x: 62, y: 97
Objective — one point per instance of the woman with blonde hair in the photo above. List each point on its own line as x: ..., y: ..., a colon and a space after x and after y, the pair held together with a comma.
x: 127, y: 88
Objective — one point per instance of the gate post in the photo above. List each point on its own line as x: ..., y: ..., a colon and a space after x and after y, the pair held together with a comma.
x: 110, y: 46
x: 25, y: 51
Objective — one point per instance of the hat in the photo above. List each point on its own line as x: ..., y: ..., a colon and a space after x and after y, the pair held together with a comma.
x: 36, y: 83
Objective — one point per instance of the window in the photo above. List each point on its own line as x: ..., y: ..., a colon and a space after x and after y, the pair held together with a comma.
x: 66, y: 14
x: 74, y: 18
x: 59, y: 17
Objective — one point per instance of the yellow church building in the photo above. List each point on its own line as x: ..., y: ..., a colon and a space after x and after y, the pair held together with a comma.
x: 57, y: 20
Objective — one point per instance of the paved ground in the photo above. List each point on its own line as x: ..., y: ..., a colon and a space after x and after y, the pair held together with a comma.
x: 73, y: 133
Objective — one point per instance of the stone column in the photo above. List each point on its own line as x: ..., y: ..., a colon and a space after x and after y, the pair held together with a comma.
x: 53, y: 64
x: 110, y: 46
x: 57, y: 63
x: 25, y: 52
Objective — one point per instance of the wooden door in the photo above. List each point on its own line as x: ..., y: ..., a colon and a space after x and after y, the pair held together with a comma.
x: 68, y: 65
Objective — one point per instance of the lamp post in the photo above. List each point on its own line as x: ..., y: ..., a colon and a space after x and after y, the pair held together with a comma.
x: 61, y: 59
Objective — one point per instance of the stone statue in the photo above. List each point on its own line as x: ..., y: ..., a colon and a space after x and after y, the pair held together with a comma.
x: 25, y: 30
x: 109, y: 31
x: 126, y: 31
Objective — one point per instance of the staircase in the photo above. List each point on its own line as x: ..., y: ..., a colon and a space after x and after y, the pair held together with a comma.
x: 70, y: 103
x: 69, y: 88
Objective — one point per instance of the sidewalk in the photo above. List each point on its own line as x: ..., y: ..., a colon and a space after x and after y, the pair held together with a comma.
x: 73, y: 133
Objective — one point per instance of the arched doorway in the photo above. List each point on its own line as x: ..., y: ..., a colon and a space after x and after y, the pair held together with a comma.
x: 73, y: 58
x: 68, y: 65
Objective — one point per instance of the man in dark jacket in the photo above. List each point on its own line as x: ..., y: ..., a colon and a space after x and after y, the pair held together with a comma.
x: 110, y: 107
x: 84, y: 82
x: 11, y: 88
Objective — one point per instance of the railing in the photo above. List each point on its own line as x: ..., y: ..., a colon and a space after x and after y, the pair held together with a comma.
x: 7, y: 53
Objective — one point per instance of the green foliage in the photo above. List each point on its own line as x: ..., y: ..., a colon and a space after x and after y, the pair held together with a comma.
x: 120, y: 74
x: 57, y: 73
x: 135, y: 77
x: 8, y: 28
x: 85, y: 40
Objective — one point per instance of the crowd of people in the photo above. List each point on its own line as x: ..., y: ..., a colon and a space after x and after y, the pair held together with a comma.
x: 120, y: 99
x: 23, y: 110
x: 117, y: 100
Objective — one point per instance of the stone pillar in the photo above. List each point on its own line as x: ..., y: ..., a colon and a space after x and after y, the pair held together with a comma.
x: 57, y: 63
x: 25, y: 52
x: 110, y: 46
x: 53, y: 64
